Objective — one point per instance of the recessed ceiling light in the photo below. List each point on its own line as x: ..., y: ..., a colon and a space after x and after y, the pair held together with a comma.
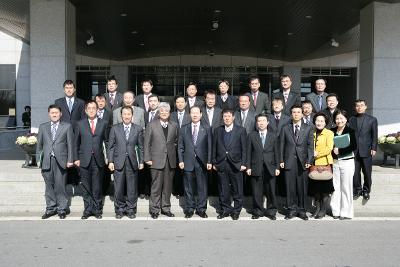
x: 123, y: 14
x: 308, y: 17
x: 290, y: 33
x: 134, y: 32
x: 142, y: 44
x: 275, y: 45
x: 217, y: 11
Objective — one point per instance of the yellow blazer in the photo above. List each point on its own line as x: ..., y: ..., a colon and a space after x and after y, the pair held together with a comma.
x: 324, y: 147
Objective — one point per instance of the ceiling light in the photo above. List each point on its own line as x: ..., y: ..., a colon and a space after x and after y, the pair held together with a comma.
x: 134, y: 32
x: 334, y: 43
x: 290, y: 33
x: 308, y: 17
x: 123, y: 14
x: 142, y: 44
x: 217, y: 11
x: 215, y: 25
x: 90, y: 41
x: 275, y: 45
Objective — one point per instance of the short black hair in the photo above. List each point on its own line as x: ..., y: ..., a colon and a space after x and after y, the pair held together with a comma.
x: 127, y: 107
x: 277, y: 98
x: 244, y: 95
x: 321, y: 114
x: 223, y: 81
x: 296, y: 106
x: 306, y: 101
x: 53, y: 106
x: 179, y: 96
x: 320, y: 78
x: 262, y: 115
x: 27, y: 107
x: 146, y: 81
x: 190, y: 111
x: 359, y: 100
x: 332, y: 95
x: 340, y: 112
x: 99, y: 96
x: 91, y: 102
x: 153, y: 95
x: 112, y: 78
x: 283, y: 76
x: 253, y: 77
x: 191, y: 83
x: 68, y: 82
x: 228, y: 110
x: 209, y: 92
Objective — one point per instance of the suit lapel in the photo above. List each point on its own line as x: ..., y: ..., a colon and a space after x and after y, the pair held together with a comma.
x: 64, y: 102
x: 258, y: 140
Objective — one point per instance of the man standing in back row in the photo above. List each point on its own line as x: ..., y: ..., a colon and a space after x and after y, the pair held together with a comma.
x: 259, y: 101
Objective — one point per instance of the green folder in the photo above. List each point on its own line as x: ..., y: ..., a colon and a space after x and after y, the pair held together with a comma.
x: 341, y: 141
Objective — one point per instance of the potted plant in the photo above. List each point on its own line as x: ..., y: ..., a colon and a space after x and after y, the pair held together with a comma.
x: 28, y: 144
x: 390, y: 146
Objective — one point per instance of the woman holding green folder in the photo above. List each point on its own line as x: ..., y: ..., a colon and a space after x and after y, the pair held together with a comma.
x: 343, y: 167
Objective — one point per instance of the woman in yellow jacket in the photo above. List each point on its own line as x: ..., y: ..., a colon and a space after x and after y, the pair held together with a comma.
x: 323, y: 142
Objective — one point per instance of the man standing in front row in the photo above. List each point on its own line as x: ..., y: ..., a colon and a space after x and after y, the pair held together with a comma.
x: 90, y: 134
x: 262, y: 166
x: 296, y: 155
x: 365, y: 128
x: 55, y: 144
x: 229, y: 160
x: 125, y: 157
x: 194, y: 153
x: 160, y: 142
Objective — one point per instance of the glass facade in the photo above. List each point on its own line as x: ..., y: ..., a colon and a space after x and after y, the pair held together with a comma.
x: 7, y: 88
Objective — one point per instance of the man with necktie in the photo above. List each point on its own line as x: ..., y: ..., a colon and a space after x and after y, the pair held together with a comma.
x: 308, y: 114
x: 244, y: 116
x: 55, y: 145
x: 142, y: 100
x: 211, y: 114
x: 192, y: 98
x: 113, y: 97
x: 318, y: 98
x: 225, y: 100
x: 125, y: 157
x: 152, y: 113
x: 289, y: 95
x: 277, y: 119
x: 180, y: 116
x: 259, y: 101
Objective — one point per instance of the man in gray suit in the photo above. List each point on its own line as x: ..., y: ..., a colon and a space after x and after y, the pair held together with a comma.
x: 113, y: 97
x: 125, y: 157
x: 318, y: 99
x: 55, y: 145
x: 245, y: 117
x: 259, y: 101
x: 138, y: 112
x: 194, y: 153
x: 160, y: 142
x: 290, y: 97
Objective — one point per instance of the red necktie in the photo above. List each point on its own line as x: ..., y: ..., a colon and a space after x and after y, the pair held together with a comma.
x: 92, y: 126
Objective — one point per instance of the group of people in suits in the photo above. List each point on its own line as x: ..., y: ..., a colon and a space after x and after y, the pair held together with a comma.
x: 224, y: 138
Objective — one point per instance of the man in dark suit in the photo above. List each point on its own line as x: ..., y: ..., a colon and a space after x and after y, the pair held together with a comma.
x: 308, y: 114
x: 72, y: 108
x: 194, y: 154
x: 125, y: 159
x: 290, y: 96
x: 245, y: 117
x: 152, y: 113
x: 332, y: 101
x: 102, y: 112
x: 365, y: 127
x: 160, y: 141
x: 211, y: 115
x: 296, y: 155
x: 180, y: 116
x: 263, y: 167
x: 225, y: 100
x: 259, y: 101
x: 277, y: 119
x: 55, y: 145
x: 192, y: 99
x: 90, y: 137
x: 229, y: 160
x: 113, y: 97
x: 142, y: 100
x: 318, y: 99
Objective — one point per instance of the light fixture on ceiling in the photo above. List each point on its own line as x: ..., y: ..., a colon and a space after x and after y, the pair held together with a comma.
x: 141, y: 44
x: 217, y: 11
x: 215, y: 24
x: 308, y: 17
x: 334, y: 43
x: 134, y: 32
x: 290, y: 33
x: 123, y: 14
x: 90, y: 41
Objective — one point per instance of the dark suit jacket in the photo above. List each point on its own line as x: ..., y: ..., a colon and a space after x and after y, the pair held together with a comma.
x: 139, y: 101
x: 366, y: 134
x: 293, y: 98
x: 231, y: 102
x: 86, y: 143
x: 62, y: 146
x: 313, y: 97
x: 157, y: 147
x: 263, y: 104
x: 188, y: 152
x: 119, y: 148
x: 78, y: 110
x: 198, y: 102
x: 185, y: 120
x: 216, y: 120
x: 259, y: 156
x: 303, y: 148
x: 331, y: 121
x: 234, y: 152
x: 146, y: 117
x: 118, y: 100
x: 283, y: 120
x: 353, y: 144
x: 249, y: 124
x: 311, y: 119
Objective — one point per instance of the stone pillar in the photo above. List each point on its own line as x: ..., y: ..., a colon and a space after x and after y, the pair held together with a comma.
x: 53, y: 46
x: 295, y: 73
x: 121, y: 72
x: 380, y: 61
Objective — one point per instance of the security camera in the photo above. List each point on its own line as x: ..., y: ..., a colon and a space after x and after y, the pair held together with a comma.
x: 90, y: 41
x: 334, y: 43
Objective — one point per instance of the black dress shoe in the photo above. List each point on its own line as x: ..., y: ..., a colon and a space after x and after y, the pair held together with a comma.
x: 154, y: 215
x: 335, y: 217
x: 188, y: 215
x: 365, y: 195
x: 202, y: 214
x: 62, y: 216
x: 271, y: 217
x: 85, y: 216
x: 222, y: 215
x: 119, y: 216
x: 235, y: 216
x: 167, y: 213
x: 48, y: 215
x: 98, y: 216
x: 255, y: 217
x: 344, y: 218
x: 303, y: 216
x: 131, y: 215
x: 289, y: 216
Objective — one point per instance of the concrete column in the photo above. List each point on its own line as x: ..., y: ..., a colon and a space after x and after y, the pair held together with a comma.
x: 295, y: 73
x: 380, y: 61
x: 53, y: 46
x: 121, y: 72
